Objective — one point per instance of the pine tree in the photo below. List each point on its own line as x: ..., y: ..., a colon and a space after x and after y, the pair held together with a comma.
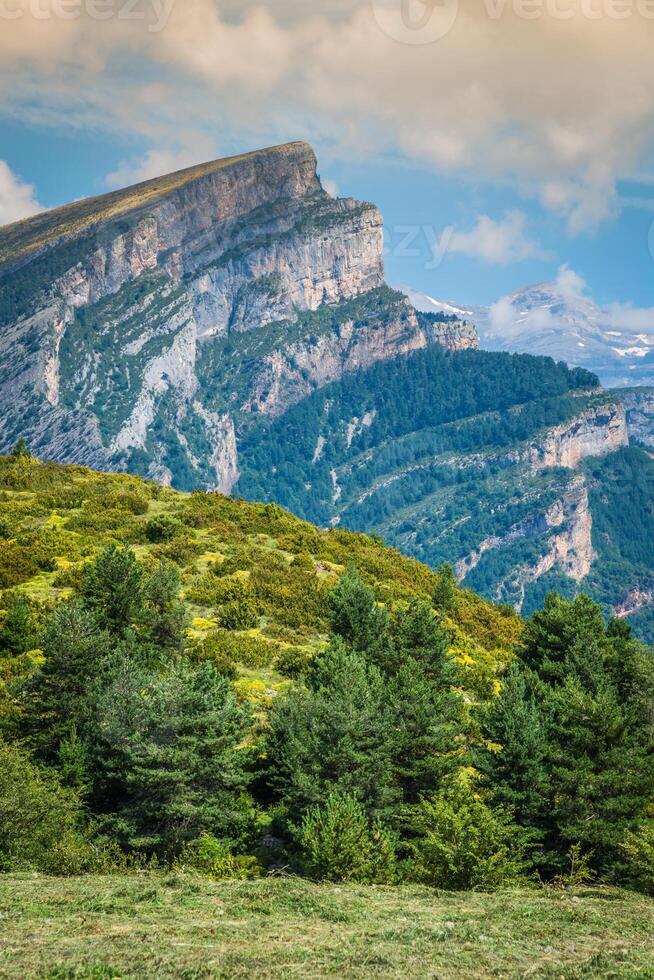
x: 113, y: 588
x: 515, y: 763
x: 164, y: 616
x: 75, y: 649
x: 426, y: 728
x: 355, y: 616
x: 333, y: 735
x: 169, y: 757
x: 18, y: 632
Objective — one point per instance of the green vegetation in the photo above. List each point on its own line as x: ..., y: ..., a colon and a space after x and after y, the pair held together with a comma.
x: 420, y: 411
x: 220, y: 690
x: 187, y: 677
x: 176, y: 925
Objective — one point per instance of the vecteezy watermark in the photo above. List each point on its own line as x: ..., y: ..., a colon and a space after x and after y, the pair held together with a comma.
x: 416, y: 21
x: 154, y: 13
x: 426, y: 21
x: 418, y: 241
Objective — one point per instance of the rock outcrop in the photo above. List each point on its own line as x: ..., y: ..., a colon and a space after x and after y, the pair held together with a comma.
x: 123, y: 313
x: 597, y: 431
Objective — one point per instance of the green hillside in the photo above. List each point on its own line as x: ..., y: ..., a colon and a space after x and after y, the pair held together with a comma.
x: 196, y: 682
x: 54, y: 519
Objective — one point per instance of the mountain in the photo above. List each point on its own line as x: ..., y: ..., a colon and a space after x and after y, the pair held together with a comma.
x: 560, y: 320
x: 139, y: 328
x: 229, y: 328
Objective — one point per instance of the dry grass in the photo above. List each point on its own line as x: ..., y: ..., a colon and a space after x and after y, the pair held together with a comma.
x: 19, y: 239
x: 169, y: 925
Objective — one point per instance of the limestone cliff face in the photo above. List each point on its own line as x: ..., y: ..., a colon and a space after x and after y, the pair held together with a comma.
x: 452, y: 334
x: 288, y: 375
x: 566, y: 526
x: 596, y: 432
x: 147, y: 279
x: 639, y: 406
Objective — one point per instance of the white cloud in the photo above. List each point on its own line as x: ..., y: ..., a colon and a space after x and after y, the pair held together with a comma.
x: 483, y: 100
x: 507, y: 319
x: 569, y: 284
x: 631, y: 319
x: 330, y: 186
x: 17, y: 199
x: 158, y: 162
x: 495, y: 241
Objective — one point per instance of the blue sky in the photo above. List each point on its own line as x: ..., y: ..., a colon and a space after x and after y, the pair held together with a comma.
x: 491, y: 169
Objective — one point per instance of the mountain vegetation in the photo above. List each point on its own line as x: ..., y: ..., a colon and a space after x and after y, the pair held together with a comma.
x: 210, y: 684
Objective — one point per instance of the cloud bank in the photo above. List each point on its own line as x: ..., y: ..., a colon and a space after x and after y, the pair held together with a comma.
x: 562, y: 106
x: 17, y: 199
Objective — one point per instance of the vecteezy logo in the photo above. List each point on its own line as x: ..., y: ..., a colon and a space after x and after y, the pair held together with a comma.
x: 415, y: 21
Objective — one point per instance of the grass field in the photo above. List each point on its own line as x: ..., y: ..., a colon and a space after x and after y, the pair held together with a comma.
x: 176, y: 925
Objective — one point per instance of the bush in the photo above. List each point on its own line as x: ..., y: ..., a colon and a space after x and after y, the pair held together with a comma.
x: 338, y: 843
x: 214, y: 858
x: 250, y: 651
x: 462, y: 843
x: 638, y: 848
x: 293, y: 661
x: 162, y: 528
x: 240, y: 614
x: 40, y: 820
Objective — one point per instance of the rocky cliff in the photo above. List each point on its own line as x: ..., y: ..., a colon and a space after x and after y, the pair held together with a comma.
x: 123, y: 316
x: 598, y: 430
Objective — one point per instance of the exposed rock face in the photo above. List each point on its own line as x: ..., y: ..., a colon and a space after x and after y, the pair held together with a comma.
x: 288, y: 375
x: 114, y: 343
x: 635, y: 600
x: 596, y: 432
x: 639, y: 406
x: 453, y: 334
x: 567, y: 525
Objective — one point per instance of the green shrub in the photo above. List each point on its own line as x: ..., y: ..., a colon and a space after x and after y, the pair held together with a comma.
x: 462, y: 843
x: 182, y: 550
x: 293, y: 661
x: 163, y: 528
x: 40, y: 821
x: 214, y: 858
x: 638, y: 848
x: 250, y: 651
x: 240, y: 614
x: 338, y: 843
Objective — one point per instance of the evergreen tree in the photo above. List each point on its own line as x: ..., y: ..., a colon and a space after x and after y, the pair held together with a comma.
x: 335, y: 734
x: 164, y: 616
x: 417, y: 634
x: 113, y: 588
x: 576, y: 763
x: 21, y: 450
x: 445, y: 591
x: 169, y: 756
x: 355, y: 616
x: 18, y: 633
x: 516, y: 766
x: 75, y: 648
x: 425, y: 735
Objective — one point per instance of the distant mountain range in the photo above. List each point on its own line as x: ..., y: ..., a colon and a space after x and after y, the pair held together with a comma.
x: 561, y: 320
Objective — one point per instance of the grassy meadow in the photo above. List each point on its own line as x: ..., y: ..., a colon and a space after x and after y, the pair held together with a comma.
x: 178, y: 925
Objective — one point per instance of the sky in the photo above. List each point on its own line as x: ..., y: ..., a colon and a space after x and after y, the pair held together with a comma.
x: 501, y: 139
